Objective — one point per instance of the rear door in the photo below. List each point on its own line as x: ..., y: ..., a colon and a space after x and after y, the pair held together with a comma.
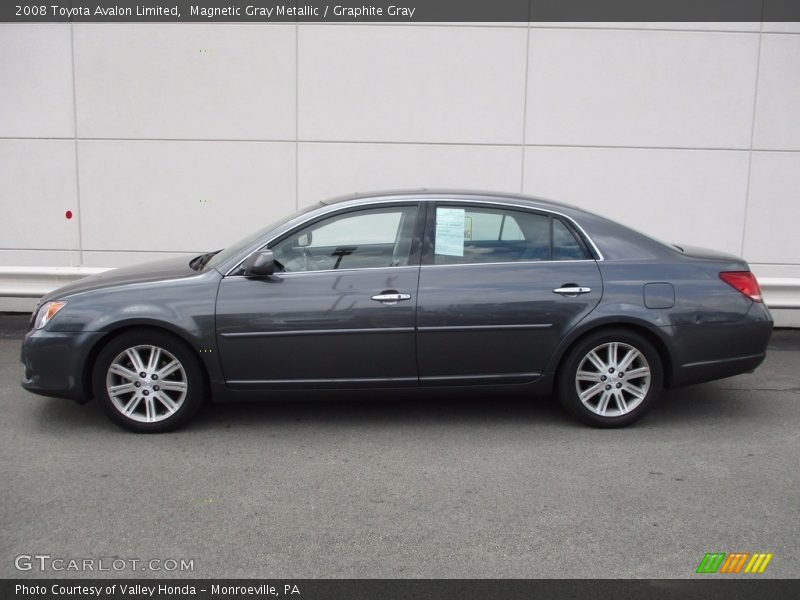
x: 499, y: 288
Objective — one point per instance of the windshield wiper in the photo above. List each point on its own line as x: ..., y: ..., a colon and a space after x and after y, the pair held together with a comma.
x: 198, y: 262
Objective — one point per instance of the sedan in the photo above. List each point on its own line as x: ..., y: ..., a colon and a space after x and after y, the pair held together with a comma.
x: 409, y: 292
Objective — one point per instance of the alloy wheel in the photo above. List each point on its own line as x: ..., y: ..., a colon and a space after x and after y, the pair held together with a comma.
x: 146, y: 383
x: 613, y: 379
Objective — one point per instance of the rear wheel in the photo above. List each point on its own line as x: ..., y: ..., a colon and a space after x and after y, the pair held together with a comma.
x: 611, y: 378
x: 148, y: 381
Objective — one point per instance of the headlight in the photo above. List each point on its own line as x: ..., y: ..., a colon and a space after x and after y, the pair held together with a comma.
x: 47, y: 312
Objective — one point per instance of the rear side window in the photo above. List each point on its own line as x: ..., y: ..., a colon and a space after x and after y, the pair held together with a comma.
x: 565, y: 246
x: 473, y: 235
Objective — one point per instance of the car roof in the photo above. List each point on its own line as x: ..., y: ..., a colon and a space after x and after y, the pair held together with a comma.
x: 438, y: 193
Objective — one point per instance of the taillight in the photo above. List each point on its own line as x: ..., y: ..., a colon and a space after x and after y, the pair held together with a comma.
x: 743, y: 281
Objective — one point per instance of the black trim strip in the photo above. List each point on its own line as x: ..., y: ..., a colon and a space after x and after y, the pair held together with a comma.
x: 721, y: 361
x: 445, y: 379
x: 485, y: 327
x: 498, y: 378
x: 255, y: 334
x: 249, y: 383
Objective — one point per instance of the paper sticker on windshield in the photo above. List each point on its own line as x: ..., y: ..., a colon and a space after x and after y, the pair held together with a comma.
x: 450, y: 231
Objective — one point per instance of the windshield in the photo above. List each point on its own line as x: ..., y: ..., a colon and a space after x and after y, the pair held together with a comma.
x: 235, y: 248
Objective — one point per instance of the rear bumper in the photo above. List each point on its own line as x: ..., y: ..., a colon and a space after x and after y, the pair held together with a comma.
x: 54, y: 363
x: 716, y: 369
x: 721, y: 350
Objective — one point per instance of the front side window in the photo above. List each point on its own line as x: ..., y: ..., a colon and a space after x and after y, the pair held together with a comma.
x: 466, y: 235
x: 371, y: 238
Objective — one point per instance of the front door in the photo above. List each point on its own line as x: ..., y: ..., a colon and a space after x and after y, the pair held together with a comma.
x: 338, y: 312
x: 499, y: 289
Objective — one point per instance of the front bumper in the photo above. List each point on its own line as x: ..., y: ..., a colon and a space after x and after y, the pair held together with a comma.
x: 54, y: 363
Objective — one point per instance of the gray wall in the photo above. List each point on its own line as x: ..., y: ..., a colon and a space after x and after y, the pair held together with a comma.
x: 167, y: 139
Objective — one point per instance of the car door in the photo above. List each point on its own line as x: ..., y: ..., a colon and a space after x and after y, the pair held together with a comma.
x: 499, y: 288
x: 338, y: 312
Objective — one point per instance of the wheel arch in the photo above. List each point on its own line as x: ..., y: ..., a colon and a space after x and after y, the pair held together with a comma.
x: 656, y: 338
x: 124, y: 327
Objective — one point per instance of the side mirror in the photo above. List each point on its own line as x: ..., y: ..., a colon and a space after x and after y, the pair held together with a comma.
x: 259, y: 264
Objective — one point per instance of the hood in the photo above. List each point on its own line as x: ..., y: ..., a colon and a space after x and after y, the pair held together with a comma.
x: 171, y: 268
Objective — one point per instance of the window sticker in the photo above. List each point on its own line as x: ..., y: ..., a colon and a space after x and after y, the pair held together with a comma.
x: 450, y: 231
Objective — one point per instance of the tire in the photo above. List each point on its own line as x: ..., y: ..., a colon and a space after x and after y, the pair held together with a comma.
x: 168, y: 395
x: 610, y: 399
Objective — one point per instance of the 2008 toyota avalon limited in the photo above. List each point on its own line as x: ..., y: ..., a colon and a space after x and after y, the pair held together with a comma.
x: 405, y: 290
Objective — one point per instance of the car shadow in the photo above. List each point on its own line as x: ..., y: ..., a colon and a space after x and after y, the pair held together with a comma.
x: 695, y: 405
x: 421, y: 409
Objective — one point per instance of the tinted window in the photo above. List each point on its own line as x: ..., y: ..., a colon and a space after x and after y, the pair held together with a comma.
x: 353, y: 240
x: 565, y: 246
x: 466, y: 234
x: 234, y: 249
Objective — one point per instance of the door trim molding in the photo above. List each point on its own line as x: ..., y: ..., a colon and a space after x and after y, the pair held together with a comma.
x: 436, y: 328
x: 255, y: 334
x: 479, y: 379
x: 327, y: 383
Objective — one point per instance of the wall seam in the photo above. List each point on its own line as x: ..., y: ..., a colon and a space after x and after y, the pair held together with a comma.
x: 409, y: 143
x: 75, y: 146
x: 297, y: 116
x: 525, y: 105
x: 752, y: 133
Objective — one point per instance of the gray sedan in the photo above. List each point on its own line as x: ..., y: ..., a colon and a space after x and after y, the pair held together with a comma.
x: 402, y: 293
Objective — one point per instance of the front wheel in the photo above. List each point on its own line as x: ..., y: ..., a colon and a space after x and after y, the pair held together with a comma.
x: 611, y: 378
x: 148, y: 381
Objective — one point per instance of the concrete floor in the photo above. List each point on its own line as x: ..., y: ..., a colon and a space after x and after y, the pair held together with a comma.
x: 494, y: 487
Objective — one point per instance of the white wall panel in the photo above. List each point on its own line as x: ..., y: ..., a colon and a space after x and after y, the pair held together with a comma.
x: 98, y: 258
x: 777, y: 124
x: 328, y: 170
x: 181, y: 196
x: 37, y: 187
x: 681, y: 196
x: 38, y: 258
x: 185, y: 81
x: 36, y: 81
x: 412, y: 84
x: 641, y: 88
x: 773, y: 210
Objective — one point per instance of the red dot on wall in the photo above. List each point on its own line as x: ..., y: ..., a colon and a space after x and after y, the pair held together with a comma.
x: 68, y: 214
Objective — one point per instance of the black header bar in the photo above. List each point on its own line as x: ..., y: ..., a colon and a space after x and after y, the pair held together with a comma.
x: 398, y: 11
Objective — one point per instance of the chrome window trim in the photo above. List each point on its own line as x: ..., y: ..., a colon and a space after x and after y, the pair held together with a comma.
x: 296, y: 273
x: 371, y: 201
x: 516, y: 262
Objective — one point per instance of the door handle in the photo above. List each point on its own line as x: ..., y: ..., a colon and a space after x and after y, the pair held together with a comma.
x: 572, y: 290
x: 390, y: 297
